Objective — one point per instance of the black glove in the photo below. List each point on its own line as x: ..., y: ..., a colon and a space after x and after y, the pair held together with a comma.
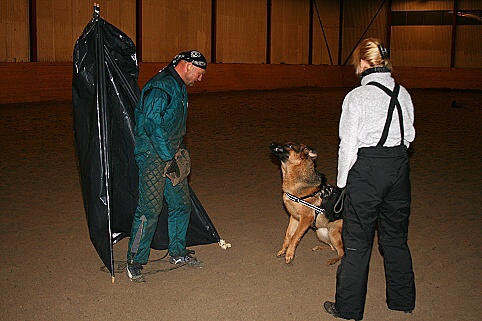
x: 173, y: 168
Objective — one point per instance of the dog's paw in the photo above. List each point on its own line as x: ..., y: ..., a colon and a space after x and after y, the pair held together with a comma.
x: 289, y: 259
x: 280, y: 253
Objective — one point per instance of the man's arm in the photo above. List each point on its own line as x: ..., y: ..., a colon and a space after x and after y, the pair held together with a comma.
x: 155, y: 105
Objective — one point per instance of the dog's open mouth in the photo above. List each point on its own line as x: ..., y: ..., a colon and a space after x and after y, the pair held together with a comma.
x: 279, y: 151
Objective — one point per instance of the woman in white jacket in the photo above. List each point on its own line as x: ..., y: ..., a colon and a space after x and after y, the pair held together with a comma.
x: 376, y: 128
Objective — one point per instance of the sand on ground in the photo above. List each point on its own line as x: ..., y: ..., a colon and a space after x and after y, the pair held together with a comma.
x: 50, y: 270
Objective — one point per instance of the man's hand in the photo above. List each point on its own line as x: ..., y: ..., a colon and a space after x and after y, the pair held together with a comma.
x: 172, y: 169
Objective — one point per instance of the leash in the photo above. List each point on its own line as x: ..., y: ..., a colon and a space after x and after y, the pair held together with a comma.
x: 120, y: 267
x: 318, y: 210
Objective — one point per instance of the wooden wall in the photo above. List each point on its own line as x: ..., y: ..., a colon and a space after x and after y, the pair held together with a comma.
x: 14, y: 31
x: 469, y: 39
x: 59, y: 25
x: 173, y: 26
x: 241, y: 31
x: 41, y: 81
x: 325, y: 46
x: 468, y: 44
x: 290, y: 32
x: 416, y: 46
x: 361, y: 21
x: 241, y: 43
x: 430, y: 46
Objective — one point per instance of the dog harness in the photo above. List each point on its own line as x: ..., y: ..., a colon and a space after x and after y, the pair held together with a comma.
x: 301, y: 200
x: 325, y: 191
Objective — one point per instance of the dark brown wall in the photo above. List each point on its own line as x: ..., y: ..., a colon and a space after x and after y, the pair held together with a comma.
x: 29, y: 82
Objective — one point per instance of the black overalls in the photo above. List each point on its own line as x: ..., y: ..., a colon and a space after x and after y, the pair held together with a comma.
x: 378, y: 194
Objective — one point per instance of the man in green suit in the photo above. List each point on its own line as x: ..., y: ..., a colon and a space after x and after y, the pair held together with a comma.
x: 161, y: 115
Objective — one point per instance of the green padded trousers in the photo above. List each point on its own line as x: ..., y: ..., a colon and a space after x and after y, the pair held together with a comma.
x: 152, y: 190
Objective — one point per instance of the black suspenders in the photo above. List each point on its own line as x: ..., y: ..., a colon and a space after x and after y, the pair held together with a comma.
x: 393, y: 103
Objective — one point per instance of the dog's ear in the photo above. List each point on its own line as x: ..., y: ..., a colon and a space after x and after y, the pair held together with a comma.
x: 311, y: 152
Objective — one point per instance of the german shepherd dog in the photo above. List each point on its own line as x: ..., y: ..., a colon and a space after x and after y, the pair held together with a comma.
x: 301, y: 179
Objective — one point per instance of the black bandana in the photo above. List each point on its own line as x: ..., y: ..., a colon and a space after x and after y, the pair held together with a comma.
x: 193, y: 56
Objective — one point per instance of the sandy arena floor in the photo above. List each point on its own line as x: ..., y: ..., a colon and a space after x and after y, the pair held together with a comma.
x: 51, y: 271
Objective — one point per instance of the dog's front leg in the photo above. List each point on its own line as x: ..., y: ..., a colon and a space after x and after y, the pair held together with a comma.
x: 292, y: 226
x: 303, y: 225
x: 336, y: 241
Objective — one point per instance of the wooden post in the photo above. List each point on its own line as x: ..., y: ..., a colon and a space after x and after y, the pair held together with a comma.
x: 389, y: 26
x: 310, y: 40
x: 32, y: 17
x: 139, y: 30
x: 454, y: 33
x: 340, y: 33
x: 214, y: 9
x: 268, y: 31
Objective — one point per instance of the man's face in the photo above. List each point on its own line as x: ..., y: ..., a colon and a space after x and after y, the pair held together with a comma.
x: 193, y: 74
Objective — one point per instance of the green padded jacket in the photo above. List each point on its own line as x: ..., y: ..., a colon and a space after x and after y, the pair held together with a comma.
x: 161, y: 115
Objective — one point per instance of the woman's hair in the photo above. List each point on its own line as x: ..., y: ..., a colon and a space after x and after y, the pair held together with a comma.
x: 372, y: 51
